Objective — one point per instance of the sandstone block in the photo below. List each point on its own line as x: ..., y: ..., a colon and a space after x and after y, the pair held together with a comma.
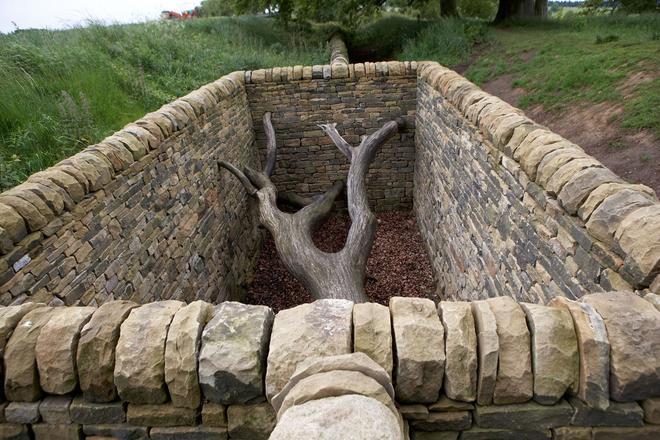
x: 607, y: 217
x: 571, y: 433
x: 34, y: 220
x: 232, y: 359
x: 118, y: 432
x: 372, y: 333
x: 504, y: 434
x: 579, y: 162
x: 461, y: 350
x: 140, y: 353
x: 523, y: 416
x: 95, y: 358
x: 444, y: 421
x: 182, y: 351
x: 576, y: 190
x: 414, y: 412
x: 188, y: 433
x: 641, y: 433
x: 214, y: 414
x: 606, y: 190
x: 653, y: 299
x: 420, y: 349
x: 12, y: 222
x: 251, y: 422
x: 358, y: 362
x: 633, y: 328
x: 555, y: 358
x: 345, y: 417
x: 514, y: 383
x: 593, y: 351
x: 55, y: 410
x: 435, y: 435
x: 88, y: 413
x: 616, y: 414
x: 56, y: 347
x: 487, y: 351
x: 160, y: 415
x: 445, y: 404
x: 43, y: 431
x: 22, y: 412
x: 333, y: 384
x: 12, y: 431
x: 651, y: 408
x: 21, y: 374
x: 9, y: 319
x: 297, y: 334
x: 639, y: 237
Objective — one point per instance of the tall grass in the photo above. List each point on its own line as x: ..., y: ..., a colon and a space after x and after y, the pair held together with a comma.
x: 449, y: 41
x: 62, y: 90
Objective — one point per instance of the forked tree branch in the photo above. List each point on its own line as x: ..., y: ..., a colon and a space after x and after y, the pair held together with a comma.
x: 340, y: 142
x: 271, y: 146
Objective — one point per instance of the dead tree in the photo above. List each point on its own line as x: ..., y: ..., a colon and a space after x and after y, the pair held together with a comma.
x: 325, y: 275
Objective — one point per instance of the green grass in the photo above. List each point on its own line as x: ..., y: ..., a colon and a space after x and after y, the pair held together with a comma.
x: 63, y: 90
x: 579, y: 59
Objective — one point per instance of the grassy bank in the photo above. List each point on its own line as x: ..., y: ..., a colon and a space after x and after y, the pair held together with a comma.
x: 580, y: 59
x: 63, y: 90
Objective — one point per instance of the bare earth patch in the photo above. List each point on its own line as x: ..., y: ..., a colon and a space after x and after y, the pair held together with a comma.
x: 632, y: 154
x: 398, y: 265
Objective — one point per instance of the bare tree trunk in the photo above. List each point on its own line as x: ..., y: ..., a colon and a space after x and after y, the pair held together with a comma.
x: 325, y: 275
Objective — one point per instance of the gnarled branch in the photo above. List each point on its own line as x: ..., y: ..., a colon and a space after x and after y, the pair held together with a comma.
x: 325, y: 275
x: 271, y: 146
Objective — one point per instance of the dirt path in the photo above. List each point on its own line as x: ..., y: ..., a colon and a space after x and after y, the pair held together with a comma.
x: 633, y: 155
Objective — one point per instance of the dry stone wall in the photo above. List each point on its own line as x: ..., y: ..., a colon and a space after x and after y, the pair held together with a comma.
x: 143, y: 215
x: 506, y: 207
x: 219, y: 372
x: 360, y: 98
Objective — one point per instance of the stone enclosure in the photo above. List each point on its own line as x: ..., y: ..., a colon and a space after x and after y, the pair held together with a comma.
x: 536, y: 246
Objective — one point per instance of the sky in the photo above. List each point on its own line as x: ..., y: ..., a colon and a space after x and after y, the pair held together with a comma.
x: 61, y: 14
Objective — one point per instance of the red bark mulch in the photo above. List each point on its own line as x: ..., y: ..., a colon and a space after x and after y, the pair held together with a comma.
x: 398, y: 265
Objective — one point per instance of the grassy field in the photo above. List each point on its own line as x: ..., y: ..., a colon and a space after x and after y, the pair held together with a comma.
x: 580, y: 59
x: 63, y: 90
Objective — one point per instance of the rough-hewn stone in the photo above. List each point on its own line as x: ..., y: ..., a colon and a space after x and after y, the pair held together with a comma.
x: 333, y: 384
x: 22, y: 412
x: 56, y: 347
x: 460, y: 349
x: 95, y: 358
x: 487, y: 349
x: 616, y: 414
x: 633, y: 328
x: 251, y: 422
x: 55, y: 409
x: 639, y: 237
x: 523, y: 416
x: 555, y: 358
x: 607, y: 217
x: 182, y: 351
x: 14, y: 431
x: 297, y: 334
x: 232, y: 359
x: 188, y: 433
x: 140, y: 353
x: 214, y: 414
x: 351, y: 416
x: 21, y: 374
x: 160, y: 415
x: 372, y: 333
x: 358, y: 362
x: 43, y: 431
x: 89, y: 413
x: 651, y: 408
x: 594, y: 352
x: 444, y: 421
x: 419, y: 349
x: 445, y: 404
x: 514, y: 383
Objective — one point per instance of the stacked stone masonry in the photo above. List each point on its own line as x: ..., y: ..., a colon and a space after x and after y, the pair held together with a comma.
x: 219, y: 372
x: 143, y: 215
x: 506, y: 207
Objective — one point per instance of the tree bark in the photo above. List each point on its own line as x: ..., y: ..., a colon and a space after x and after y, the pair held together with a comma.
x: 325, y: 275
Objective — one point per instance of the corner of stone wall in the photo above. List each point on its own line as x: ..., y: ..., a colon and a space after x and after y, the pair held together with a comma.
x: 35, y: 211
x: 622, y: 219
